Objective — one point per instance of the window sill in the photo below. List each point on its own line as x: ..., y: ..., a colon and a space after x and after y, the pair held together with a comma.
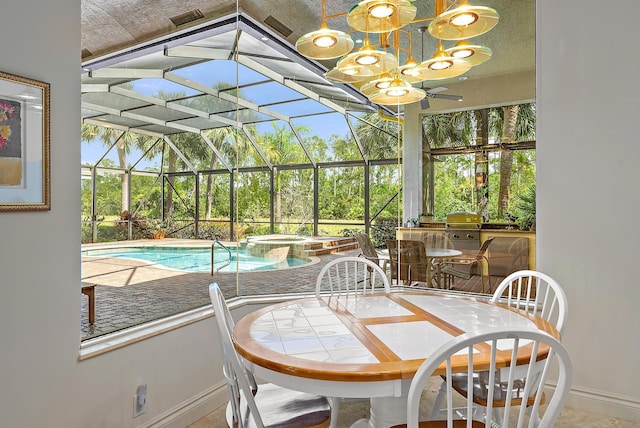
x: 112, y: 341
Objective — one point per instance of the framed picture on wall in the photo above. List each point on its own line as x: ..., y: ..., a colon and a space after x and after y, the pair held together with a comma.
x: 24, y: 144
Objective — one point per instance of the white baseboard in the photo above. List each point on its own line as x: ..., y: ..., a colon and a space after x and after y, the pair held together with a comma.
x: 189, y: 411
x: 604, y: 403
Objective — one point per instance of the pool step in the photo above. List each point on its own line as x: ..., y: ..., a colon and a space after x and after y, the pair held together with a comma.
x: 330, y: 246
x: 303, y: 247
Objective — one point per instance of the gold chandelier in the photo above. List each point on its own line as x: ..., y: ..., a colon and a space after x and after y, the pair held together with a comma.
x: 378, y: 73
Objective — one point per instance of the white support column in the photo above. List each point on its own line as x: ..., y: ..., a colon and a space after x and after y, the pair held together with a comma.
x: 412, y: 159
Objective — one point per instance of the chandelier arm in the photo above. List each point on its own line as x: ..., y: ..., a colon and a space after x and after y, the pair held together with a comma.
x: 324, y: 12
x: 396, y: 41
x: 336, y: 15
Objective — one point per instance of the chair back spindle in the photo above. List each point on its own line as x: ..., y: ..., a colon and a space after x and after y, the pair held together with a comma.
x: 516, y: 413
x: 346, y: 276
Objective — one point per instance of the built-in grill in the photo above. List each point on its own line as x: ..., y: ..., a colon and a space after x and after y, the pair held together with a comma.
x: 464, y: 232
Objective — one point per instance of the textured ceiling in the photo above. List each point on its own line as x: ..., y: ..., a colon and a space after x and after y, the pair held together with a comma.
x: 118, y: 34
x: 112, y: 25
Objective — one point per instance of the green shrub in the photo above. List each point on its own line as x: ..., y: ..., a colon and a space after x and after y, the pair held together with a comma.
x: 525, y: 209
x: 383, y: 229
x: 305, y: 230
x: 213, y: 230
x: 349, y: 231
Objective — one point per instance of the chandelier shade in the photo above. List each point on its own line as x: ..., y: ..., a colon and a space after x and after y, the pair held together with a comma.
x: 373, y: 86
x: 408, y: 70
x: 442, y: 66
x: 381, y: 16
x: 398, y: 92
x: 336, y: 76
x: 463, y: 22
x: 325, y: 44
x: 367, y: 61
x: 475, y: 54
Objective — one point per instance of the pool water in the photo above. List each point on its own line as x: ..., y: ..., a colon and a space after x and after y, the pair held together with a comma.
x: 196, y: 259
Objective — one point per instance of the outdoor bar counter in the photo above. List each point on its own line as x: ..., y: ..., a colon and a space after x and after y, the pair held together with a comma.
x: 486, y: 230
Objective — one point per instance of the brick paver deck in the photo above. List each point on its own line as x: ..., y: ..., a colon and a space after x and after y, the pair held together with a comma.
x: 129, y: 293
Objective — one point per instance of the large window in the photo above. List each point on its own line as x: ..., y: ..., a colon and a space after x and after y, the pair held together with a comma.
x: 232, y: 136
x: 483, y: 161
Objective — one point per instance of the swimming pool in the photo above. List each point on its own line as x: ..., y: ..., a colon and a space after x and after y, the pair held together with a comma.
x: 196, y: 259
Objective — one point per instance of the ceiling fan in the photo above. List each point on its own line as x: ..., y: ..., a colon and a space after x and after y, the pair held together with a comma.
x: 435, y: 93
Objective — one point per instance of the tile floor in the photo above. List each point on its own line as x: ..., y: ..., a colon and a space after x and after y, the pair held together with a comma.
x: 351, y: 411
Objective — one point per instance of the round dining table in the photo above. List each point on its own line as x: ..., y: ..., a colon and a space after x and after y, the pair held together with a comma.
x: 369, y: 346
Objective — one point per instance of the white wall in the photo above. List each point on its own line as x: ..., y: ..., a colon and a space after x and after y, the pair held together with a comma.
x: 581, y: 105
x: 588, y: 152
x: 587, y: 183
x: 42, y: 383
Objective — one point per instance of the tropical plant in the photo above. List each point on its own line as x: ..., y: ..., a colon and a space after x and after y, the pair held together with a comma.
x: 525, y: 209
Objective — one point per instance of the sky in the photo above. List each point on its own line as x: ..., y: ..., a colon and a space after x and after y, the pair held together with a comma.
x: 215, y: 72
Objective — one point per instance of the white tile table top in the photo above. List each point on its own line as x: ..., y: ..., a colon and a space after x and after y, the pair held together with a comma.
x: 470, y: 315
x: 310, y: 329
x: 411, y: 340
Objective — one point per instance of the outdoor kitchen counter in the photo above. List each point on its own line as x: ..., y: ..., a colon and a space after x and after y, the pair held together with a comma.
x: 417, y: 232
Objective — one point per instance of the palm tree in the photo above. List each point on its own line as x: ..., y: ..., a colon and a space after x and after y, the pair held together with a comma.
x: 281, y: 147
x: 379, y: 138
x: 124, y: 144
x: 506, y: 157
x: 511, y: 124
x: 218, y: 138
x: 232, y: 144
x: 450, y: 130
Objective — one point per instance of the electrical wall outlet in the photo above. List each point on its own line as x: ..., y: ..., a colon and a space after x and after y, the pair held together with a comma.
x: 140, y: 401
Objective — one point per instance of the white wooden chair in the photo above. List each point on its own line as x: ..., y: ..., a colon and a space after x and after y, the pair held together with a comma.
x: 351, y: 276
x: 536, y: 293
x: 265, y: 405
x: 515, y: 415
x: 528, y: 290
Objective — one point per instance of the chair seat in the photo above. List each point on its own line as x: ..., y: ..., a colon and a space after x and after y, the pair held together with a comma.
x: 481, y: 392
x: 280, y: 407
x: 461, y: 270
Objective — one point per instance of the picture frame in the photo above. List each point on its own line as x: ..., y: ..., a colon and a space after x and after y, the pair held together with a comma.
x: 25, y: 176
